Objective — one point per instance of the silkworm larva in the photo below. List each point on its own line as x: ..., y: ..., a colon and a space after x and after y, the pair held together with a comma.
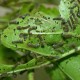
x: 72, y: 45
x: 78, y: 13
x: 66, y: 36
x: 60, y: 50
x: 14, y: 22
x: 41, y: 40
x: 72, y: 13
x: 57, y: 18
x: 18, y: 41
x: 57, y: 45
x: 75, y: 5
x: 72, y: 20
x: 32, y: 28
x: 70, y: 24
x: 22, y: 28
x: 23, y: 35
x: 65, y: 28
x: 23, y: 17
x: 33, y: 45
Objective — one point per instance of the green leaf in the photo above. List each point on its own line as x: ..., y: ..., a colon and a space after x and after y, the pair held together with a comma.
x: 32, y: 64
x: 71, y: 66
x: 40, y: 21
x: 6, y: 78
x: 42, y: 34
x: 72, y: 11
x: 7, y: 55
x: 56, y: 74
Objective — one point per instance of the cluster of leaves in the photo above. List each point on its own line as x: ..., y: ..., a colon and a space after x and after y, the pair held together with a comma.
x: 41, y: 37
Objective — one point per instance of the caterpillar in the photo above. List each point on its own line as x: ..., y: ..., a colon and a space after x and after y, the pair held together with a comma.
x: 41, y: 40
x: 23, y: 35
x: 78, y: 13
x: 31, y: 28
x: 19, y: 41
x: 14, y: 22
x: 57, y: 45
x: 24, y: 16
x: 33, y: 45
x: 22, y: 28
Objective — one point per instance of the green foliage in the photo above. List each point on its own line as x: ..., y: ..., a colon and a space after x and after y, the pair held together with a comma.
x: 45, y: 34
x: 71, y: 66
x: 56, y: 73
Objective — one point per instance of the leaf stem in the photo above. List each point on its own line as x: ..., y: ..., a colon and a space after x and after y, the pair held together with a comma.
x: 70, y: 52
x: 30, y: 75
